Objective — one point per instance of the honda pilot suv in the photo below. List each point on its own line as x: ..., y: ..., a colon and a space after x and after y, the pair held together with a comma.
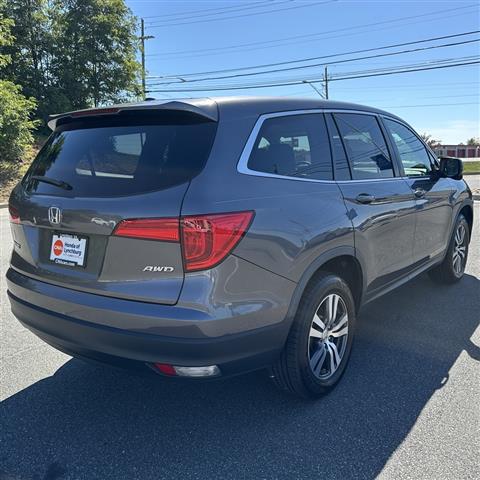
x: 205, y: 238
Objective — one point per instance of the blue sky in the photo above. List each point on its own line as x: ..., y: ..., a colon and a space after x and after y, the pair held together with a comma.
x: 197, y: 36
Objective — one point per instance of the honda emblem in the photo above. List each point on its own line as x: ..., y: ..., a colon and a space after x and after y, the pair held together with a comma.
x: 54, y: 215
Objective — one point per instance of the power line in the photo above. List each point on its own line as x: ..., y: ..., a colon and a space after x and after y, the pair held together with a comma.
x: 430, y: 105
x: 416, y: 86
x: 174, y: 21
x: 162, y: 25
x: 435, y: 97
x: 353, y: 77
x: 332, y: 55
x: 317, y: 78
x: 308, y: 37
x: 277, y: 70
x: 217, y: 9
x: 440, y: 61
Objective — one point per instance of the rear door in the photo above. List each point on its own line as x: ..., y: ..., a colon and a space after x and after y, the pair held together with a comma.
x: 381, y: 205
x: 92, y: 175
x: 433, y: 194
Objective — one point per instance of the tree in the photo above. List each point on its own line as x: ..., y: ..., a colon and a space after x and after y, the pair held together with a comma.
x: 473, y: 141
x: 431, y: 142
x: 71, y: 54
x: 32, y: 52
x: 6, y: 37
x: 15, y: 109
x: 98, y: 64
x: 15, y: 125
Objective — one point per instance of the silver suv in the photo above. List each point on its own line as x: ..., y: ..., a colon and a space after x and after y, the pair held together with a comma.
x: 204, y: 238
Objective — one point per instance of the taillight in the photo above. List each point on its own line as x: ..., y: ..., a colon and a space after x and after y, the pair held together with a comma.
x: 208, y: 239
x: 164, y: 229
x: 14, y: 214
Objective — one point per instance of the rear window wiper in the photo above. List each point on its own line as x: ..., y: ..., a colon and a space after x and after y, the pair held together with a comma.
x: 52, y: 181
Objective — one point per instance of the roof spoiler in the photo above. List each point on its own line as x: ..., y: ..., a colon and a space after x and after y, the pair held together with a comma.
x: 205, y: 108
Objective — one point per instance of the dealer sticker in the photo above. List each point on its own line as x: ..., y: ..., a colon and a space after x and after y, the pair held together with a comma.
x: 68, y: 250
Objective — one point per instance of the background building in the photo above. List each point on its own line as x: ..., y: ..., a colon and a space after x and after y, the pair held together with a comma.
x: 458, y: 151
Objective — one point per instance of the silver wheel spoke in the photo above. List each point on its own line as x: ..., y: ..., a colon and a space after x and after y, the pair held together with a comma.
x: 457, y: 264
x: 339, y: 333
x: 334, y: 357
x: 319, y: 323
x: 460, y: 235
x: 314, y: 333
x: 340, y: 323
x: 318, y: 359
x: 332, y: 306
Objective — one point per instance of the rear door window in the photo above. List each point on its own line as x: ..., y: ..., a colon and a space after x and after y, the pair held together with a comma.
x: 293, y: 146
x: 121, y: 159
x: 365, y: 145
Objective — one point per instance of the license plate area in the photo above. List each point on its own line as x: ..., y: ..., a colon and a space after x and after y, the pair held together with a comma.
x: 68, y: 249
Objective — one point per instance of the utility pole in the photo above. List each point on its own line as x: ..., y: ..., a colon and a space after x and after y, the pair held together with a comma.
x: 143, y: 37
x: 325, y: 79
x: 314, y: 87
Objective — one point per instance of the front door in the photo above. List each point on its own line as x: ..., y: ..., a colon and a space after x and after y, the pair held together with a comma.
x: 381, y: 205
x: 434, y: 195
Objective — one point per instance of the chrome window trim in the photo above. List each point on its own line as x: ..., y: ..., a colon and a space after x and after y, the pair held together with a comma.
x: 242, y: 165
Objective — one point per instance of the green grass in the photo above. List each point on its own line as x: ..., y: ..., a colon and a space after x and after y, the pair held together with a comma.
x: 471, y: 167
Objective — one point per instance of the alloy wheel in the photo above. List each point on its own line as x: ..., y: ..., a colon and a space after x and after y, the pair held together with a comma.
x: 459, y: 250
x: 328, y: 336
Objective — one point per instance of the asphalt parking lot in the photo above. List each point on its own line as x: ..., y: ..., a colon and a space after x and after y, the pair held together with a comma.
x: 407, y: 407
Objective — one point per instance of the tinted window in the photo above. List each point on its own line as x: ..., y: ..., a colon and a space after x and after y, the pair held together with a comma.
x: 342, y: 169
x: 365, y: 146
x: 411, y: 151
x: 122, y: 159
x: 294, y: 145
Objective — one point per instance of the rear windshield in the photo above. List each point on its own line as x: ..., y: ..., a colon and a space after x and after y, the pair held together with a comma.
x: 106, y: 158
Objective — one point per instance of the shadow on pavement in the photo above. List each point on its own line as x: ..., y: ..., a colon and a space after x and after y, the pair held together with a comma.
x: 89, y: 422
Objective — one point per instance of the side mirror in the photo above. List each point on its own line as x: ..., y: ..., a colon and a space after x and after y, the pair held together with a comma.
x: 451, y: 168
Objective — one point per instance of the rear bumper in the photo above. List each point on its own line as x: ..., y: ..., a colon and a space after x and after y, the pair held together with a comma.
x: 131, y: 334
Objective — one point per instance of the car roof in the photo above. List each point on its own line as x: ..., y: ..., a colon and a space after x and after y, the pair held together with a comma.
x: 225, y: 107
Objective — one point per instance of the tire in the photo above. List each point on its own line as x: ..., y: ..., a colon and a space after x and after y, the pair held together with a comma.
x: 308, y: 366
x: 452, y: 268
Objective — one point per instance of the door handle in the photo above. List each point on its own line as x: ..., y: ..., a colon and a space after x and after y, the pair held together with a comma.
x: 365, y: 198
x: 419, y: 192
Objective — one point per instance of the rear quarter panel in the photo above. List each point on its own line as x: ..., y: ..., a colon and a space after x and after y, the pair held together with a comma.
x: 295, y: 221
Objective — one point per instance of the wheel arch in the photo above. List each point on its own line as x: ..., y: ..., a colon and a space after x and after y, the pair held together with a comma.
x: 341, y: 261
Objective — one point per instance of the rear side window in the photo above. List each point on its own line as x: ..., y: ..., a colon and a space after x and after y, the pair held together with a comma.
x: 122, y: 159
x: 293, y: 145
x: 365, y: 145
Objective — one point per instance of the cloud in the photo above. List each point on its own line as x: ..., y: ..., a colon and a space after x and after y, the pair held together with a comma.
x: 453, y: 131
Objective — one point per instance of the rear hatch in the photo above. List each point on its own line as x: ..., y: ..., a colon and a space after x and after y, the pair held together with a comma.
x: 95, y: 172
